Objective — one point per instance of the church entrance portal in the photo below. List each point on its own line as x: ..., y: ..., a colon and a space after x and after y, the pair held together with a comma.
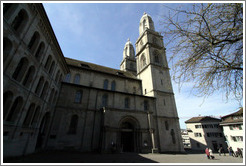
x: 127, y: 137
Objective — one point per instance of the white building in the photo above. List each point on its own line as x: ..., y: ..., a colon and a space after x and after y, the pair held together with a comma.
x: 185, y: 138
x: 204, y: 131
x: 233, y: 129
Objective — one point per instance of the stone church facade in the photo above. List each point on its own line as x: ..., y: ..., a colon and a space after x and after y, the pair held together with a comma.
x: 53, y: 102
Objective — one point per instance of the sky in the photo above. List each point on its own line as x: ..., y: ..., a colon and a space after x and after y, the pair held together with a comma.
x: 97, y: 33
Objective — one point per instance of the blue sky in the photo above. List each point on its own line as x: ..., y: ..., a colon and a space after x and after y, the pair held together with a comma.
x: 97, y: 33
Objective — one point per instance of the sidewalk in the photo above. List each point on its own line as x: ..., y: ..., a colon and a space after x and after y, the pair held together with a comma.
x: 78, y: 157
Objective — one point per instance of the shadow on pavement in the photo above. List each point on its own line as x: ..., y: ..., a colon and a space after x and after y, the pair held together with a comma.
x: 78, y: 157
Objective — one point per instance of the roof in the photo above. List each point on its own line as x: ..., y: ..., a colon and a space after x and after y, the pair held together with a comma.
x: 201, y: 119
x: 98, y: 68
x: 229, y: 118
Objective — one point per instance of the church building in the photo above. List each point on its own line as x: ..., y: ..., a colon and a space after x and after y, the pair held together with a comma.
x: 54, y: 102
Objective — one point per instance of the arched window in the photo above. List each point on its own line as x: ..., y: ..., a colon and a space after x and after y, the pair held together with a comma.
x: 131, y: 66
x: 156, y: 57
x: 29, y: 115
x: 78, y: 97
x: 146, y: 105
x: 105, y: 84
x: 113, y: 85
x: 34, y: 41
x: 7, y: 101
x: 20, y: 69
x: 68, y: 76
x: 39, y: 86
x: 15, y: 109
x: 29, y: 76
x: 105, y: 100
x: 52, y: 66
x: 35, y: 117
x: 127, y: 102
x: 44, y: 91
x: 57, y: 76
x: 173, y: 136
x: 7, y: 47
x: 126, y: 51
x: 77, y: 79
x: 73, y: 124
x: 48, y: 62
x: 144, y: 25
x: 143, y: 61
x: 40, y: 51
x: 20, y: 21
x: 51, y: 95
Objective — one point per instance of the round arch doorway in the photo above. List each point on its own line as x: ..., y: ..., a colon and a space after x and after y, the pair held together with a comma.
x: 128, y: 135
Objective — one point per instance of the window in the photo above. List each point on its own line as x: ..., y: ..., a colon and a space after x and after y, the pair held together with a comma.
x: 48, y: 62
x: 34, y: 41
x: 146, y: 107
x: 105, y: 84
x: 144, y: 25
x: 237, y: 138
x: 105, y: 100
x: 127, y: 102
x: 39, y: 86
x: 20, y: 21
x: 173, y: 136
x: 198, y: 126
x: 15, y: 109
x: 68, y: 76
x: 20, y: 69
x: 164, y: 102
x: 166, y: 125
x: 77, y: 79
x: 52, y: 66
x: 78, y: 97
x: 113, y: 86
x: 7, y: 47
x: 126, y: 51
x: 235, y: 127
x: 29, y: 76
x: 214, y: 134
x: 7, y: 101
x: 198, y: 134
x: 73, y: 124
x: 45, y: 89
x: 40, y: 51
x: 143, y: 61
x: 156, y: 57
x: 35, y: 117
x: 145, y: 91
x: 131, y: 66
x: 29, y: 115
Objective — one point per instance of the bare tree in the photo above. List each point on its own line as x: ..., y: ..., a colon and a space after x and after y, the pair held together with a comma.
x: 207, y: 45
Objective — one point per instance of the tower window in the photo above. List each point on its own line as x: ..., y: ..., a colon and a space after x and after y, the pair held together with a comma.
x: 20, y: 21
x: 143, y: 61
x: 20, y: 69
x: 105, y: 84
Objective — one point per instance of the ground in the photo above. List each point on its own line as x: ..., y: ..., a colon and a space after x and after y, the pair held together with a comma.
x: 78, y: 157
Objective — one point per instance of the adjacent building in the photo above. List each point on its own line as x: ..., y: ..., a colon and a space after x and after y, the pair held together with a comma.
x: 53, y: 102
x: 185, y: 138
x: 205, y: 131
x: 233, y: 129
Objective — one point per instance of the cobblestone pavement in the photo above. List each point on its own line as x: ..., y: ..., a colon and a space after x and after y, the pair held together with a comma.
x: 78, y: 157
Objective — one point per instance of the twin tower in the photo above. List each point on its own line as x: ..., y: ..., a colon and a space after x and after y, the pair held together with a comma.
x: 149, y: 64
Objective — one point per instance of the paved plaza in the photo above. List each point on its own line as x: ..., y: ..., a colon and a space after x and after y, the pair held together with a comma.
x: 78, y: 157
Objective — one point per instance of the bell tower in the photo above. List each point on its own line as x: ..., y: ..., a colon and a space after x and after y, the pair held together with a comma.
x: 152, y: 69
x: 129, y: 62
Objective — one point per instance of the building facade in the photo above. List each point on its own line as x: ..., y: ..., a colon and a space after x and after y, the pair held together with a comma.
x: 205, y: 131
x: 186, y: 139
x: 53, y: 102
x: 233, y: 129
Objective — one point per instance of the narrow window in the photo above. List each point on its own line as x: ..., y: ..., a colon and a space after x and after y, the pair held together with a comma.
x: 68, y: 76
x: 40, y: 51
x: 127, y: 102
x: 20, y: 69
x: 146, y: 105
x: 78, y: 97
x: 145, y: 91
x: 48, y: 62
x: 29, y: 76
x: 20, y: 20
x: 164, y: 101
x: 52, y: 66
x: 45, y: 89
x: 105, y: 84
x: 15, y: 109
x: 7, y: 101
x: 51, y: 95
x: 166, y: 125
x: 113, y: 86
x: 77, y: 79
x: 39, y: 85
x: 173, y: 136
x: 105, y: 100
x: 29, y: 115
x: 73, y: 124
x: 34, y: 41
x: 143, y: 61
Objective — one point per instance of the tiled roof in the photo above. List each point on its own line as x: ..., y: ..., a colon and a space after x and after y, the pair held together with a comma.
x: 231, y: 117
x: 95, y: 67
x: 201, y: 119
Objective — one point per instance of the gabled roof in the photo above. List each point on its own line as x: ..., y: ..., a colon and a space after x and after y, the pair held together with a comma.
x: 201, y: 119
x: 99, y: 68
x: 230, y: 118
